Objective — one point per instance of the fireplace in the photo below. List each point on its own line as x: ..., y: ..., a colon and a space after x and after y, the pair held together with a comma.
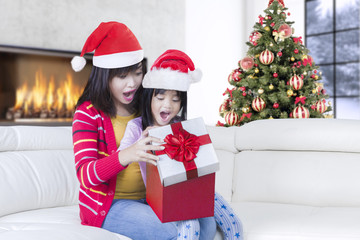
x: 38, y: 86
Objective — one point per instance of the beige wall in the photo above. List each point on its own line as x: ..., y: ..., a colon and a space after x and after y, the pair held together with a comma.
x: 65, y: 24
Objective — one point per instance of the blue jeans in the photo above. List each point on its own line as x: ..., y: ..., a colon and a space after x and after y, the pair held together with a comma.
x: 137, y: 220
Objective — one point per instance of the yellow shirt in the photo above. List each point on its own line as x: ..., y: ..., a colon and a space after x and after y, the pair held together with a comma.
x: 129, y: 183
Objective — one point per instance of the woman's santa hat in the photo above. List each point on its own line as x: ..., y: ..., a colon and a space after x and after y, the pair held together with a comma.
x: 115, y: 47
x: 173, y: 70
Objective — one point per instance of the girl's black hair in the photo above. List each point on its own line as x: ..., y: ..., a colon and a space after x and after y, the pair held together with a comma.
x: 147, y: 117
x: 97, y: 89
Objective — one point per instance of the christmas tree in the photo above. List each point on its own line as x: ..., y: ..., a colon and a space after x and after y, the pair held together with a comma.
x: 277, y: 79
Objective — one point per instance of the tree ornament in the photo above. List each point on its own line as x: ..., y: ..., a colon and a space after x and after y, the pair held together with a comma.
x: 271, y: 87
x: 275, y: 75
x: 281, y: 2
x: 278, y: 11
x: 266, y: 57
x: 254, y: 37
x: 230, y: 78
x: 267, y: 28
x: 279, y: 54
x: 244, y: 94
x: 320, y: 106
x: 261, y: 91
x: 271, y: 44
x: 256, y: 70
x: 286, y: 29
x: 301, y: 112
x: 292, y: 59
x: 296, y: 51
x: 247, y: 63
x: 222, y: 107
x: 296, y: 82
x: 245, y: 109
x: 278, y: 35
x: 275, y: 105
x: 289, y: 92
x: 258, y: 104
x: 236, y: 76
x: 231, y: 118
x: 314, y: 91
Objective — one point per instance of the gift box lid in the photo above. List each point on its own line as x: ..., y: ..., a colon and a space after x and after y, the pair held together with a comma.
x: 180, y: 168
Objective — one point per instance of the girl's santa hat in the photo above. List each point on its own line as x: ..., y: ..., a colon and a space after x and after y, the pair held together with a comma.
x: 173, y: 70
x: 115, y: 47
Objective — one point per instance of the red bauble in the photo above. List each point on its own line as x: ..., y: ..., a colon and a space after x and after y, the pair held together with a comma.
x: 247, y: 63
x: 286, y: 29
x: 296, y: 51
x: 244, y: 94
x: 279, y: 54
x: 301, y: 112
x: 276, y: 105
x: 266, y: 57
x: 254, y: 36
x: 236, y: 76
x: 258, y: 104
x: 296, y: 82
x: 275, y: 75
x: 231, y: 118
x: 320, y: 106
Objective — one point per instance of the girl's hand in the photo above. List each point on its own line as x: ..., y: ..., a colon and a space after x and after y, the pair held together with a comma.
x: 138, y: 152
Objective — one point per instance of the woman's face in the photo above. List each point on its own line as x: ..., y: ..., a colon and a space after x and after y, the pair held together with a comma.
x: 123, y: 89
x: 164, y: 107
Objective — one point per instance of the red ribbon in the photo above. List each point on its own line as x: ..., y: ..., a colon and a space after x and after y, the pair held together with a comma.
x: 245, y: 115
x: 229, y: 91
x: 183, y: 146
x: 300, y: 99
x: 281, y: 2
x: 296, y: 40
x: 307, y: 61
x: 261, y: 19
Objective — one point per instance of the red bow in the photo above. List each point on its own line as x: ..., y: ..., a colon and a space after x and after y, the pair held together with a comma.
x: 220, y: 124
x: 261, y: 19
x: 183, y: 146
x: 300, y: 99
x: 229, y: 91
x: 296, y: 40
x: 307, y: 61
x: 245, y: 115
x: 281, y: 2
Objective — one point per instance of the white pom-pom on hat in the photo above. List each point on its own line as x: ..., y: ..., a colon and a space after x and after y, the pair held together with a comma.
x: 196, y: 75
x: 78, y: 63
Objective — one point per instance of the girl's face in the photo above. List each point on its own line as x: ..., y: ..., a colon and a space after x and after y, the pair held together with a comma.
x: 164, y: 107
x: 123, y: 89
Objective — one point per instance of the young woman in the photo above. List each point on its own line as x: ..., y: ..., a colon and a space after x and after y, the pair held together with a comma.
x: 112, y: 191
x: 164, y: 102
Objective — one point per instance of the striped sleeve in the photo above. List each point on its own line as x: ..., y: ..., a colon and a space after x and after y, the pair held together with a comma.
x: 92, y: 162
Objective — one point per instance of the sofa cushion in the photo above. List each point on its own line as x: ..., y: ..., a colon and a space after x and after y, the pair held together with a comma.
x: 273, y: 221
x: 327, y: 179
x: 300, y: 134
x: 51, y: 223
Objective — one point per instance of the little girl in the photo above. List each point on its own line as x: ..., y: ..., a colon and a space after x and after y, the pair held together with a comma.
x: 164, y: 101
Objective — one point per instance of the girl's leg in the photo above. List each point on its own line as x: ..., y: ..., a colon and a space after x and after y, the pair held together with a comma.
x: 136, y: 219
x: 207, y: 228
x: 189, y: 229
x: 227, y: 220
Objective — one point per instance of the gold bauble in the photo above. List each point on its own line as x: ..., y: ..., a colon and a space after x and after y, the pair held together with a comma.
x: 267, y: 28
x: 261, y: 91
x: 304, y: 57
x: 271, y: 87
x: 256, y: 70
x: 292, y: 59
x: 304, y: 73
x: 314, y: 91
x: 271, y: 117
x: 271, y: 44
x: 316, y: 77
x: 257, y: 55
x: 329, y: 103
x: 320, y: 73
x: 289, y: 92
x: 245, y: 109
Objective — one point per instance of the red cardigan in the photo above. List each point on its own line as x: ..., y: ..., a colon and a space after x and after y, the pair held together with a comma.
x: 96, y: 162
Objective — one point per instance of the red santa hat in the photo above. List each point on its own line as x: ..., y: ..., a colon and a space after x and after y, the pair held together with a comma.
x: 115, y: 47
x: 173, y: 70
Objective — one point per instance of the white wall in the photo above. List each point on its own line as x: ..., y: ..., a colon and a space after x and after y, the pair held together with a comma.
x: 215, y: 36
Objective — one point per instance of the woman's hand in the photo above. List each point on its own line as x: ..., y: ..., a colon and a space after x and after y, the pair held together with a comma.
x: 138, y: 152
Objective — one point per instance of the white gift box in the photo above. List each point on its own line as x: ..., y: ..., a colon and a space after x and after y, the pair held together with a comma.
x: 172, y: 171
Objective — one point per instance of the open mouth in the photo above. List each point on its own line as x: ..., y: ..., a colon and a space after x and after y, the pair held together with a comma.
x: 129, y: 95
x: 164, y: 116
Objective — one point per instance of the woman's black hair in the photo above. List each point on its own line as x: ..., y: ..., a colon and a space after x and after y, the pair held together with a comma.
x: 97, y: 89
x: 147, y: 117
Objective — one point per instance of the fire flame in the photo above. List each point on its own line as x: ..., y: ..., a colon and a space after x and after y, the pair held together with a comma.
x: 46, y: 97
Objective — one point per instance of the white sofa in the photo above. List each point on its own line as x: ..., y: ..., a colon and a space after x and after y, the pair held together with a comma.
x: 286, y: 179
